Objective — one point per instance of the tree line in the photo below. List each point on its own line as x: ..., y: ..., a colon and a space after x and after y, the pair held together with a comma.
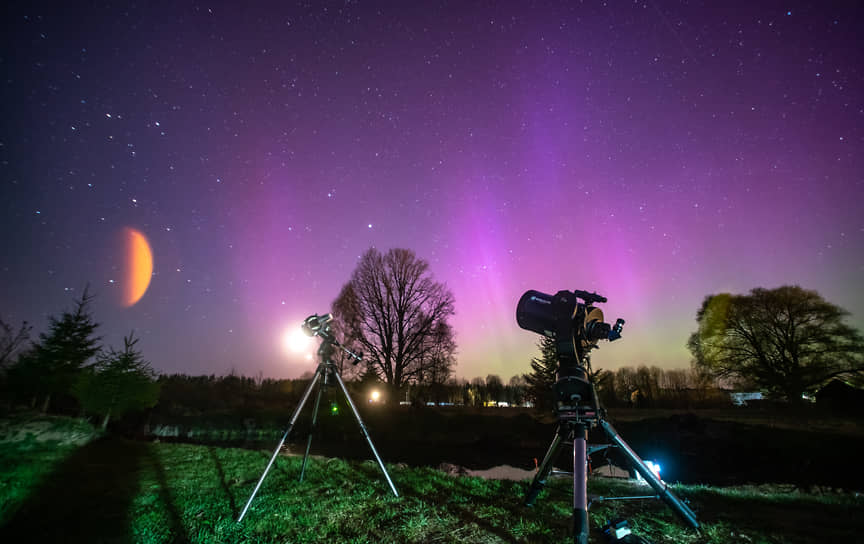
x: 786, y: 341
x: 69, y: 370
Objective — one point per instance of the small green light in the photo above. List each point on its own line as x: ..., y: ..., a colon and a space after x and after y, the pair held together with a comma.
x: 334, y: 408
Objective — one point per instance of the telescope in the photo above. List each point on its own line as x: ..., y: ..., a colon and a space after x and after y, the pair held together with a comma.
x: 576, y: 328
x: 315, y: 324
x: 326, y: 374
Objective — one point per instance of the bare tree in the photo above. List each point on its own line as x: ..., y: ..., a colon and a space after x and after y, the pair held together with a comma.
x: 397, y: 314
x: 11, y: 341
x: 516, y: 388
x: 676, y: 382
x: 648, y: 384
x: 494, y: 388
x: 625, y: 384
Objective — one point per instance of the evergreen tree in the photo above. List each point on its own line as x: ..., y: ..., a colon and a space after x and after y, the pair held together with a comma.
x: 62, y: 353
x: 543, y: 374
x: 119, y: 382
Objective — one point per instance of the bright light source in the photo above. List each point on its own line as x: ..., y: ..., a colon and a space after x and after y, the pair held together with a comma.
x: 296, y: 341
x: 653, y: 467
x: 375, y: 396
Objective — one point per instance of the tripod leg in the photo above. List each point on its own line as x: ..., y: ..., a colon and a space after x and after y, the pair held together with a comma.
x: 539, y: 481
x: 312, y: 429
x: 580, y: 485
x: 365, y: 433
x: 656, y: 483
x: 282, y: 442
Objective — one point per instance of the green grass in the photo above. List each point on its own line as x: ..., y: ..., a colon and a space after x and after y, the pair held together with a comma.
x: 31, y: 446
x: 121, y: 491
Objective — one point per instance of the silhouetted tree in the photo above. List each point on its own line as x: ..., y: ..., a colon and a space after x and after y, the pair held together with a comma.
x: 625, y: 384
x: 516, y: 389
x: 648, y: 385
x: 604, y: 384
x: 494, y: 388
x: 11, y: 341
x: 543, y: 374
x: 786, y: 340
x: 397, y: 315
x: 119, y: 382
x: 441, y: 362
x: 477, y: 390
x: 55, y: 362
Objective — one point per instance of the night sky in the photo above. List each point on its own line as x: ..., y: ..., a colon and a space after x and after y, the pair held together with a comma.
x: 655, y: 152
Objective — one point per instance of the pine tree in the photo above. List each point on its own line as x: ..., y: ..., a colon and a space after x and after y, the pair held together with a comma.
x: 119, y: 382
x: 62, y: 353
x: 543, y: 375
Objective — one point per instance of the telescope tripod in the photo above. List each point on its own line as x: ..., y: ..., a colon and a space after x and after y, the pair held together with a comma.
x: 326, y: 373
x: 576, y: 414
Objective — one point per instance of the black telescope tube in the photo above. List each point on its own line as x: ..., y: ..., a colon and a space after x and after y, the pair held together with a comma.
x: 534, y: 312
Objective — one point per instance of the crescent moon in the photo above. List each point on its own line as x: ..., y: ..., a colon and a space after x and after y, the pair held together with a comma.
x: 139, y: 266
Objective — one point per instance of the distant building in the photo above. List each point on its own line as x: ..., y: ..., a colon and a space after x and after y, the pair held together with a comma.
x: 741, y: 399
x: 841, y: 397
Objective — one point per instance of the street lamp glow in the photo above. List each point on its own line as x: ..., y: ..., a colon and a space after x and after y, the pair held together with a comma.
x: 375, y: 396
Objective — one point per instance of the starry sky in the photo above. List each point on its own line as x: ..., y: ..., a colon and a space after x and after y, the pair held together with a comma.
x: 655, y: 152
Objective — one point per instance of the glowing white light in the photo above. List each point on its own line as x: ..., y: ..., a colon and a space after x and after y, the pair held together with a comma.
x: 296, y: 341
x: 375, y: 396
x: 653, y: 467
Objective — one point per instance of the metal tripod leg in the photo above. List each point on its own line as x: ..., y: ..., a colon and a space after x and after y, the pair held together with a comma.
x: 312, y: 428
x: 580, y: 484
x: 365, y: 433
x: 539, y: 481
x: 577, y: 433
x: 658, y: 485
x: 284, y: 437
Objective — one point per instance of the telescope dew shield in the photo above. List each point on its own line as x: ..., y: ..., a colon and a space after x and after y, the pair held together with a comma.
x: 534, y: 313
x: 553, y: 316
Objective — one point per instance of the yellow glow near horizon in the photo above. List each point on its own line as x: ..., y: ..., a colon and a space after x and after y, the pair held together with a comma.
x: 138, y: 266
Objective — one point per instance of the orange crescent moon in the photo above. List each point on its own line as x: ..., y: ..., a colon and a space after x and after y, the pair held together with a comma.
x: 139, y: 266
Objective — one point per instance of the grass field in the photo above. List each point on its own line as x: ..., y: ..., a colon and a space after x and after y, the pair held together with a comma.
x: 115, y: 490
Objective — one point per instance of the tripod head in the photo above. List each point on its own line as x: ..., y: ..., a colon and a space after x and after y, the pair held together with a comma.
x: 575, y: 326
x: 319, y: 325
